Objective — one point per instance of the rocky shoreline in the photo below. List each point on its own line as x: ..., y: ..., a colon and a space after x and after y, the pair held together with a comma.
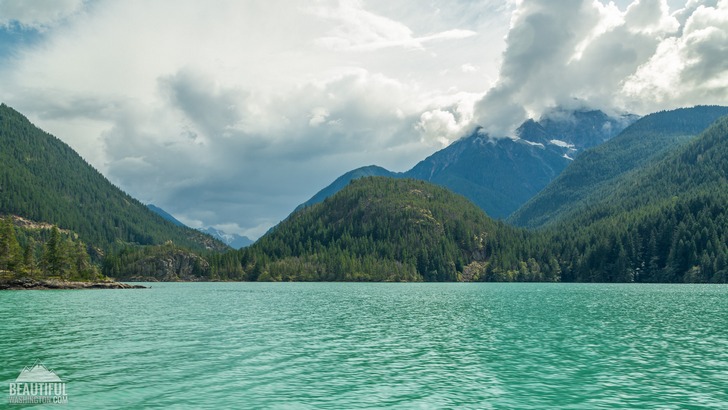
x: 50, y: 284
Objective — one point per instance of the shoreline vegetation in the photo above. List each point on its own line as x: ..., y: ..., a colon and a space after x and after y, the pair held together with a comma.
x: 40, y: 256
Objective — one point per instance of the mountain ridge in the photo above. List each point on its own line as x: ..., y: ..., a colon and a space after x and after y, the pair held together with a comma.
x: 166, y: 215
x: 234, y: 240
x: 599, y: 169
x: 499, y: 175
x: 45, y: 180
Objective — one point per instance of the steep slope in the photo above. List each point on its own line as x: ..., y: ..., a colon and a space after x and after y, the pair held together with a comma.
x: 598, y: 171
x: 164, y: 214
x: 499, y: 175
x: 43, y: 179
x: 385, y: 229
x: 667, y: 222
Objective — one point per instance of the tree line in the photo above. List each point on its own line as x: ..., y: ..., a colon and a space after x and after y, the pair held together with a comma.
x: 44, y: 253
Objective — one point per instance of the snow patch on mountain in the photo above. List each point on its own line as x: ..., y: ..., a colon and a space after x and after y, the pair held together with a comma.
x: 535, y: 144
x: 562, y: 144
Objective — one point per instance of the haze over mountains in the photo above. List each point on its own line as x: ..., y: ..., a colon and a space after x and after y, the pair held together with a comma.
x: 232, y: 240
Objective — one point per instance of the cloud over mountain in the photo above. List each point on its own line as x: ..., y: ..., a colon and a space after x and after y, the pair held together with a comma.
x: 572, y: 53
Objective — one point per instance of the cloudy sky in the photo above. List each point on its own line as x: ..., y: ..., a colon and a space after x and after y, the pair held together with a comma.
x: 231, y: 113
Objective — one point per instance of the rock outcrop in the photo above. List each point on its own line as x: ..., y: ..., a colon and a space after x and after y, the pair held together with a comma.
x: 171, y: 265
x: 48, y: 284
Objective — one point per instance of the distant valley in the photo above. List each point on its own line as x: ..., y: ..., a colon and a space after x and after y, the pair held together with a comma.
x: 234, y: 241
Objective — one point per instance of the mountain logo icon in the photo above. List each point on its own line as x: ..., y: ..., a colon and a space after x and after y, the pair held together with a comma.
x: 37, y: 373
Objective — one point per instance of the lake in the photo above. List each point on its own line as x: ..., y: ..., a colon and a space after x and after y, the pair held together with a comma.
x: 358, y: 345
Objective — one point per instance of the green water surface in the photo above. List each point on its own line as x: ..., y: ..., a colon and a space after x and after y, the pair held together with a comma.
x: 349, y: 345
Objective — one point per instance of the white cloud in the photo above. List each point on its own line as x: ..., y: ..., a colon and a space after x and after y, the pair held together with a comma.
x: 358, y: 29
x: 232, y: 114
x: 36, y: 14
x: 688, y: 69
x: 319, y: 116
x: 199, y: 108
x: 573, y: 53
x: 468, y: 68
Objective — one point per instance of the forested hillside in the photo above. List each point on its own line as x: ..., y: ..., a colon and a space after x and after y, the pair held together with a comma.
x: 43, y: 179
x: 385, y: 229
x: 657, y: 212
x: 599, y: 171
x: 666, y: 223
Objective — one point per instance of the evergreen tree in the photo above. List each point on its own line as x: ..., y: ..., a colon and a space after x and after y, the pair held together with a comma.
x: 83, y: 269
x: 55, y: 258
x: 11, y: 258
x: 29, y: 257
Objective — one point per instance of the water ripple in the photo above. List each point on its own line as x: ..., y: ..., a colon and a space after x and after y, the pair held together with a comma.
x: 299, y: 346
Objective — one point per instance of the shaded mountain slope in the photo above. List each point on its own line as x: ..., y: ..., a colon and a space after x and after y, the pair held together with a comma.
x: 667, y: 222
x: 43, y: 179
x: 499, y: 175
x: 598, y: 171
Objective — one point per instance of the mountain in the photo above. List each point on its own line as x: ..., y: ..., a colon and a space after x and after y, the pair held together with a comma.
x: 582, y: 129
x: 665, y: 222
x: 497, y: 175
x: 500, y: 175
x: 232, y: 240
x: 599, y: 170
x: 343, y: 181
x: 44, y: 180
x: 386, y: 229
x: 164, y: 214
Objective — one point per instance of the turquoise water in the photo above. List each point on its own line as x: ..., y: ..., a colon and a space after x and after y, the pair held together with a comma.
x: 346, y: 345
